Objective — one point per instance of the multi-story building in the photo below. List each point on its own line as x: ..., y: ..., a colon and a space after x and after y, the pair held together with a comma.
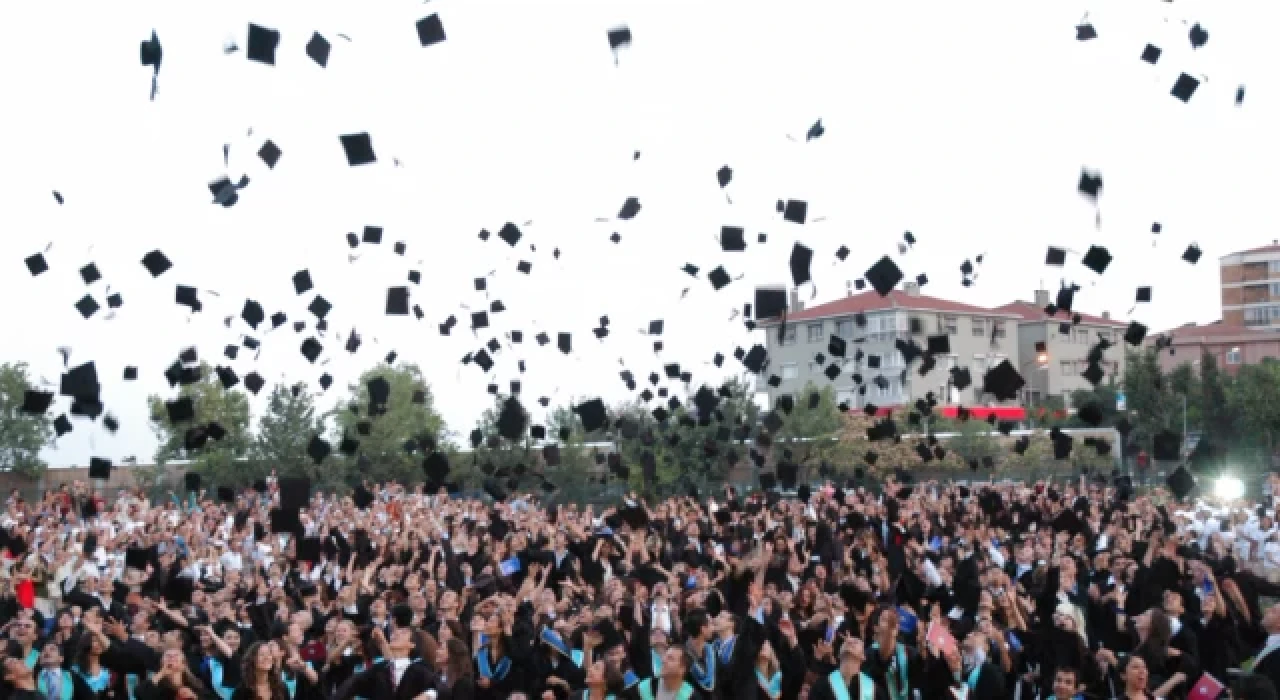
x: 1250, y: 281
x: 1055, y: 356
x: 979, y: 339
x: 1231, y: 346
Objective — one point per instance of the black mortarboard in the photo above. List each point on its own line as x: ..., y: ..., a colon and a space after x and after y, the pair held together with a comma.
x: 1192, y: 254
x: 1055, y: 256
x: 801, y: 259
x: 362, y: 498
x: 884, y: 275
x: 191, y: 481
x: 1167, y: 445
x: 1090, y: 184
x: 137, y: 557
x: 99, y: 468
x: 61, y: 425
x: 89, y: 273
x: 301, y: 282
x: 318, y: 49
x: 285, y: 521
x: 430, y: 30
x: 1198, y: 36
x: 36, y: 264
x: 318, y: 448
x: 1085, y: 32
x: 1151, y: 54
x: 619, y: 36
x: 1181, y: 482
x: 36, y: 402
x: 1144, y: 294
x: 1135, y: 333
x: 1184, y: 87
x: 359, y: 149
x: 262, y: 44
x: 1003, y: 382
x: 226, y: 494
x: 87, y: 306
x: 269, y: 153
x: 180, y: 410
x: 629, y: 209
x: 309, y: 549
x: 156, y: 263
x: 718, y: 277
x: 1097, y: 259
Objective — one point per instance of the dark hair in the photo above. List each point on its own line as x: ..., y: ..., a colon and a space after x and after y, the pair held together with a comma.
x: 458, y: 665
x: 1075, y: 675
x: 696, y: 620
x: 249, y: 675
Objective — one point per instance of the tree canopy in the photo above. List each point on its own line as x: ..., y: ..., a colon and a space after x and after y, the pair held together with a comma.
x: 22, y: 435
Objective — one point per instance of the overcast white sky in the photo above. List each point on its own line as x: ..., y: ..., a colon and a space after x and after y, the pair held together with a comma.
x: 965, y: 123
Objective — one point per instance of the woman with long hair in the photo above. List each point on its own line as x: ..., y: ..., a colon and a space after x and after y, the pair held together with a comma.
x: 1167, y: 667
x: 454, y: 680
x: 1134, y: 677
x: 259, y: 676
x: 88, y: 664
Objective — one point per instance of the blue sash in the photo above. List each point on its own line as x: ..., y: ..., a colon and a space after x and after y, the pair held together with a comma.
x: 498, y: 673
x: 131, y: 681
x: 838, y: 687
x: 290, y: 684
x: 33, y: 657
x: 726, y: 649
x: 704, y: 674
x: 65, y: 692
x: 96, y: 683
x: 216, y: 674
x: 972, y: 681
x: 655, y: 659
x: 773, y: 686
x: 646, y: 690
x: 898, y: 689
x: 866, y: 686
x: 553, y: 638
x: 629, y: 679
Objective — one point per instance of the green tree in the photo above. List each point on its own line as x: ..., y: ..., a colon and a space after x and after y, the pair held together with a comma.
x: 1255, y: 399
x: 22, y: 435
x: 285, y: 430
x: 1150, y: 398
x: 973, y: 440
x: 220, y: 462
x: 1103, y: 396
x: 381, y: 455
x: 1214, y: 412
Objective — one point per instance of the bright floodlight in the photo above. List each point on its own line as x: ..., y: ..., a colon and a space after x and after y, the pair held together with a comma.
x: 1229, y: 488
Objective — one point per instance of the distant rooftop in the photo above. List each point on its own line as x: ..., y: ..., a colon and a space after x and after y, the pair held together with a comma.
x: 1030, y: 312
x: 871, y: 300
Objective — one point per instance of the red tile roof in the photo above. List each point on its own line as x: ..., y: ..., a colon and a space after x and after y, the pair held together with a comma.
x: 1192, y: 333
x: 1273, y: 248
x: 1031, y: 312
x: 872, y: 301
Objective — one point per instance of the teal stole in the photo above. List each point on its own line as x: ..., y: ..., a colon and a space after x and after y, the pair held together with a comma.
x: 972, y: 680
x: 490, y: 671
x: 772, y: 686
x: 704, y: 674
x: 646, y: 690
x: 655, y: 659
x: 216, y: 673
x: 866, y: 686
x: 898, y: 688
x: 555, y: 641
x: 33, y: 657
x: 97, y: 683
x: 65, y: 692
x: 131, y: 681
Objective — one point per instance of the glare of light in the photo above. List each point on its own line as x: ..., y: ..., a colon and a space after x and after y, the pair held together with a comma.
x: 1228, y: 488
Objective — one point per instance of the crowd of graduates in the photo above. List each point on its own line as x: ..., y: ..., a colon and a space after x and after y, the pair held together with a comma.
x: 905, y: 591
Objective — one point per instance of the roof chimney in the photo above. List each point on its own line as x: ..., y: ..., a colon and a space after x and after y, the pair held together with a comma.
x: 912, y: 289
x: 1106, y: 315
x: 1042, y: 298
x: 796, y: 304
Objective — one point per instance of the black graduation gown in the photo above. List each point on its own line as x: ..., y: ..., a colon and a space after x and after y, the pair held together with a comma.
x: 877, y: 668
x: 821, y: 689
x: 378, y: 682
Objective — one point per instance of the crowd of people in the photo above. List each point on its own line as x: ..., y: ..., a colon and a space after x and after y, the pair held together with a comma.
x: 908, y: 591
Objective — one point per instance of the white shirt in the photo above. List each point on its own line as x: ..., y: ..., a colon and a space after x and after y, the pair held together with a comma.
x: 398, y: 667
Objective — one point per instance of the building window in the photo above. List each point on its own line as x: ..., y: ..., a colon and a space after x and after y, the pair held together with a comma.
x: 844, y: 329
x: 1274, y: 266
x: 815, y: 332
x: 997, y: 329
x: 789, y: 335
x: 1275, y: 289
x: 790, y: 371
x: 1082, y: 336
x: 1068, y: 368
x: 1233, y: 356
x: 947, y: 324
x: 979, y: 327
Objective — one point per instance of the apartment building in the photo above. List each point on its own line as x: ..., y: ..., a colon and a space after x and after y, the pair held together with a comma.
x: 1231, y: 346
x: 1250, y: 283
x: 979, y: 338
x: 1066, y: 348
